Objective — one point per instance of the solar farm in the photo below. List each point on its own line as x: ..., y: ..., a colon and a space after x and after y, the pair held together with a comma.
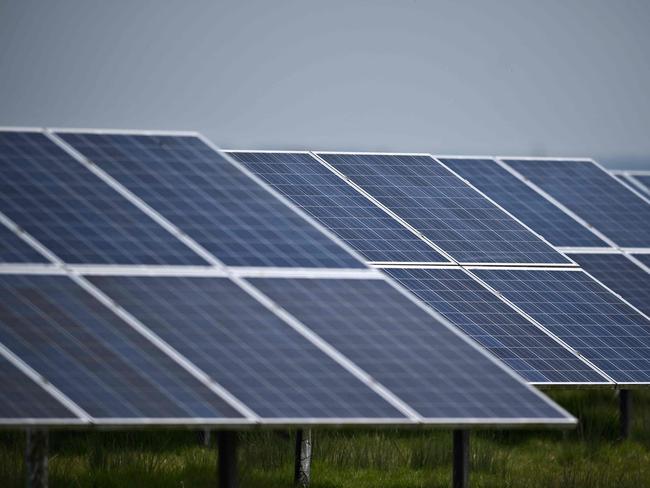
x: 152, y: 281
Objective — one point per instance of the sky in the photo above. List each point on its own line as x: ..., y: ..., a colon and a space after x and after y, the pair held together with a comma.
x: 519, y: 77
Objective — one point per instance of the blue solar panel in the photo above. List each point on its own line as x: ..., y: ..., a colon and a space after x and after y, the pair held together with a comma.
x: 523, y: 202
x: 211, y: 200
x: 405, y: 349
x: 444, y: 208
x: 338, y: 207
x: 497, y: 327
x: 585, y: 315
x: 95, y: 358
x: 248, y: 350
x: 75, y: 214
x: 22, y: 398
x: 13, y: 249
x: 594, y: 195
x: 621, y: 275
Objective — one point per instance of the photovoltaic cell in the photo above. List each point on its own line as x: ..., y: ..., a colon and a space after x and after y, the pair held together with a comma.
x: 621, y: 275
x: 523, y: 202
x: 13, y: 249
x: 489, y: 321
x: 95, y: 358
x: 583, y: 313
x: 22, y: 398
x: 75, y: 214
x: 253, y: 354
x: 211, y: 200
x: 405, y: 349
x: 338, y: 207
x: 594, y: 195
x: 444, y: 208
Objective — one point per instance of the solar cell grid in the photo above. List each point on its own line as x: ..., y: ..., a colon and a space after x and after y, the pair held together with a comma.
x: 496, y: 326
x: 644, y: 258
x: 621, y: 275
x: 594, y: 195
x: 524, y: 203
x: 584, y: 314
x: 211, y: 200
x: 75, y: 214
x: 248, y: 350
x: 22, y: 398
x: 444, y: 208
x: 95, y: 358
x: 14, y: 250
x: 405, y: 349
x: 338, y: 207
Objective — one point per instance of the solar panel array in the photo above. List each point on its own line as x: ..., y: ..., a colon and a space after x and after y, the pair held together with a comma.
x: 170, y: 286
x: 453, y: 203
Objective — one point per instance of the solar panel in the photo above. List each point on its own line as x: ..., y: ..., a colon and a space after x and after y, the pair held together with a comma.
x: 14, y: 250
x: 252, y: 353
x: 93, y: 357
x: 523, y: 202
x: 587, y: 316
x: 444, y: 208
x: 75, y: 214
x: 404, y: 348
x: 22, y: 398
x: 594, y: 195
x: 621, y: 275
x: 492, y: 323
x: 644, y: 258
x: 211, y: 200
x: 338, y: 207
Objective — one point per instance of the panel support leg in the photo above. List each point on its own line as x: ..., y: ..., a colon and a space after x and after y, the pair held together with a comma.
x: 227, y: 455
x: 302, y: 468
x: 204, y: 437
x: 625, y: 412
x: 36, y: 452
x: 461, y: 459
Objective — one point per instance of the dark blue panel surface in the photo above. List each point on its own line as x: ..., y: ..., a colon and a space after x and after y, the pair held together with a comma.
x: 594, y: 195
x: 497, y: 327
x: 74, y: 213
x: 644, y: 258
x: 338, y: 207
x: 621, y: 275
x: 22, y: 398
x: 243, y: 346
x: 585, y: 315
x: 404, y: 348
x: 444, y: 208
x: 14, y: 250
x: 95, y: 358
x: 524, y: 203
x: 212, y: 201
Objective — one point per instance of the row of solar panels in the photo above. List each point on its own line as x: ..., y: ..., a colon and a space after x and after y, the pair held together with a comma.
x: 549, y: 324
x: 147, y: 279
x: 183, y: 210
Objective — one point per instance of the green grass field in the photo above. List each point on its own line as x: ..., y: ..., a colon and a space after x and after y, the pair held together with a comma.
x: 589, y: 456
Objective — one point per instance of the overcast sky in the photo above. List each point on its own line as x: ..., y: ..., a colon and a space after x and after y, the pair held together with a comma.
x: 452, y: 77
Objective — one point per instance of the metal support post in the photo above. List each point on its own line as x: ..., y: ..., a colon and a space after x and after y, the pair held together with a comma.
x: 36, y: 452
x: 625, y: 412
x: 461, y: 459
x: 227, y: 455
x: 302, y: 468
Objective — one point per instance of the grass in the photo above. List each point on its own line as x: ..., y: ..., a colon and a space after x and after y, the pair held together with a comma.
x: 590, y: 456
